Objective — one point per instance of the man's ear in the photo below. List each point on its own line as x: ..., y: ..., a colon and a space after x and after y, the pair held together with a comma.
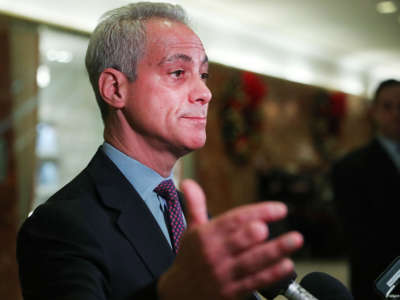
x: 112, y: 87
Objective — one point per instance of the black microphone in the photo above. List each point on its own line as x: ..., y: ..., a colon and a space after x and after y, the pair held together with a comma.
x: 314, y: 286
x: 288, y: 288
x: 325, y: 287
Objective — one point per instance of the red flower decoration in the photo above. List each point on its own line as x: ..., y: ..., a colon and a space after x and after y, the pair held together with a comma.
x: 338, y: 105
x: 241, y: 116
x: 254, y: 88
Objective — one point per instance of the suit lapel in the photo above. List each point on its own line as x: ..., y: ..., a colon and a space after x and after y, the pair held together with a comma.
x: 382, y: 159
x: 135, y: 220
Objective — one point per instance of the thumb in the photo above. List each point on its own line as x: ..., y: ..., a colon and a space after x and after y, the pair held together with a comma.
x: 195, y: 203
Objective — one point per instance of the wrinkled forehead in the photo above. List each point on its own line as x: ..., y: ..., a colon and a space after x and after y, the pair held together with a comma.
x: 167, y: 34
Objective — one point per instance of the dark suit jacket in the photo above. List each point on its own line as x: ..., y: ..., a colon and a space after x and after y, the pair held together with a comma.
x: 95, y: 239
x: 366, y: 184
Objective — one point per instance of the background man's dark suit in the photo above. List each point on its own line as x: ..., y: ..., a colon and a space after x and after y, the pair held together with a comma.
x: 109, y: 244
x: 366, y: 186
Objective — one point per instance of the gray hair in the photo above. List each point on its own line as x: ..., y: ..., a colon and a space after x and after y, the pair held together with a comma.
x: 119, y: 40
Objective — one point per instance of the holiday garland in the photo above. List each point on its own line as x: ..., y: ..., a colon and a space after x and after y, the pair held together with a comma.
x: 328, y: 111
x: 241, y: 116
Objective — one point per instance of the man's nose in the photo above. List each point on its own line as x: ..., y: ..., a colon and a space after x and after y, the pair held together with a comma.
x: 200, y: 92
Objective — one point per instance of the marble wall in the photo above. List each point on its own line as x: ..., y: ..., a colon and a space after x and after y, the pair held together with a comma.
x: 18, y: 118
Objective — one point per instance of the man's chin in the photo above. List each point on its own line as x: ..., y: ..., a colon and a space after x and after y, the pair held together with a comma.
x: 194, y: 145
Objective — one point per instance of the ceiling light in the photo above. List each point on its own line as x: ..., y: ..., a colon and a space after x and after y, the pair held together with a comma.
x: 386, y: 7
x: 299, y: 72
x: 61, y: 56
x: 43, y: 76
x: 351, y: 85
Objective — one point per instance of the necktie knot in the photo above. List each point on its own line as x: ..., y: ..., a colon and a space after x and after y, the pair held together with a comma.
x: 167, y: 190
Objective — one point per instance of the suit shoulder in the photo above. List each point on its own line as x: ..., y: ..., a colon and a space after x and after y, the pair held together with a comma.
x: 72, y: 204
x: 354, y: 159
x: 351, y: 166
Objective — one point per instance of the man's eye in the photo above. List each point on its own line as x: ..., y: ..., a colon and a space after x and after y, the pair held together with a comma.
x: 177, y: 73
x: 204, y: 75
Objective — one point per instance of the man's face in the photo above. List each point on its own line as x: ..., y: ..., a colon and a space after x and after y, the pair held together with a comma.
x: 386, y: 112
x: 168, y: 102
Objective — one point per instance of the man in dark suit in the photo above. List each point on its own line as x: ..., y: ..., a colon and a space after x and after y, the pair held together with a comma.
x: 115, y: 231
x: 366, y: 187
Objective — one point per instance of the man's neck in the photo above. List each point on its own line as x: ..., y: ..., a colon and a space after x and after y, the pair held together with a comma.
x: 121, y: 136
x: 162, y: 164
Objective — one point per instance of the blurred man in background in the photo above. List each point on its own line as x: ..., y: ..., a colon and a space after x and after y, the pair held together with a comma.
x: 366, y: 187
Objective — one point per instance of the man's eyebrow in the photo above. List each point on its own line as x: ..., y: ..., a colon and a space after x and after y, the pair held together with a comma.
x: 175, y: 57
x: 179, y: 56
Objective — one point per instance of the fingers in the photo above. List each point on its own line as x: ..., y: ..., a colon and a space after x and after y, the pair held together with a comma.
x: 264, y: 279
x: 230, y: 221
x: 195, y: 202
x: 264, y: 212
x: 249, y: 235
x: 263, y: 265
x: 267, y: 254
x: 237, y: 229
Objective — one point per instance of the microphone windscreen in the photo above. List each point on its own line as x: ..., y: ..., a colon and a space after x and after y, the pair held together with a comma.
x: 325, y: 287
x: 279, y: 288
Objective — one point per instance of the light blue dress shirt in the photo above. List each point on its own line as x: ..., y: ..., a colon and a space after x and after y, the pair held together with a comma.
x: 144, y: 180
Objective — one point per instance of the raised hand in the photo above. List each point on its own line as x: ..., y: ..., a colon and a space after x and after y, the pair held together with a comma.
x: 229, y: 256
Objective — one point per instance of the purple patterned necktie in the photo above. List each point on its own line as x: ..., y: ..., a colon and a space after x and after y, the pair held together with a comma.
x: 167, y: 190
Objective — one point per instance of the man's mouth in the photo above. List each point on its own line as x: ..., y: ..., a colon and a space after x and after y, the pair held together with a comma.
x: 195, y: 117
x: 200, y: 120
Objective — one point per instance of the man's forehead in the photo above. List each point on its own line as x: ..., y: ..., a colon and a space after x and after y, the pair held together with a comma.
x: 390, y: 92
x: 173, y: 41
x: 166, y: 23
x: 173, y: 32
x: 388, y: 96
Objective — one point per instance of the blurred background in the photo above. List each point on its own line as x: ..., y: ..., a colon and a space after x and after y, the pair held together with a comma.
x: 291, y: 82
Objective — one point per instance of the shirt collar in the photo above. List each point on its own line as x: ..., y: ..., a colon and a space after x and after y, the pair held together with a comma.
x: 142, y: 178
x: 391, y: 148
x: 388, y: 144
